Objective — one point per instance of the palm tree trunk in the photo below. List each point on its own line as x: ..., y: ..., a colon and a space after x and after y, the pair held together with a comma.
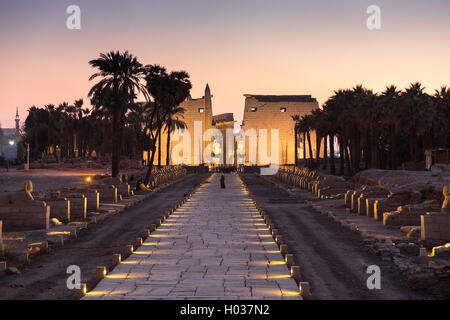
x: 347, y: 158
x: 355, y: 149
x: 325, y: 152
x: 168, y: 147
x: 159, y: 148
x: 332, y: 164
x: 318, y: 142
x: 304, y: 147
x: 148, y: 175
x: 295, y: 146
x: 393, y: 147
x: 412, y: 144
x: 118, y: 122
x: 152, y: 158
x: 375, y: 159
x: 311, y: 157
x: 358, y: 150
x: 341, y: 155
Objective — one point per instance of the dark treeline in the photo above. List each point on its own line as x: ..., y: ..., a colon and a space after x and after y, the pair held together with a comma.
x: 116, y: 126
x: 377, y: 130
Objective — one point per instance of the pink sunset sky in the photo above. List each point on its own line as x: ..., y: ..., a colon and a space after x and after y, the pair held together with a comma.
x: 238, y: 47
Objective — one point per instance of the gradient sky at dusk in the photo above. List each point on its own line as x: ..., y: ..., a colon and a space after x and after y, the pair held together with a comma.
x: 238, y: 47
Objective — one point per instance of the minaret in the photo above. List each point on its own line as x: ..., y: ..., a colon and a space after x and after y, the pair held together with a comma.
x: 17, y: 122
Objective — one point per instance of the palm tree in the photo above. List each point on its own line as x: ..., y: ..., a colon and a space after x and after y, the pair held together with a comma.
x: 33, y: 111
x: 120, y: 74
x: 320, y: 126
x: 414, y: 116
x: 307, y: 125
x: 388, y: 104
x: 50, y: 108
x: 67, y: 132
x: 330, y: 115
x: 441, y: 119
x: 168, y: 92
x: 174, y: 121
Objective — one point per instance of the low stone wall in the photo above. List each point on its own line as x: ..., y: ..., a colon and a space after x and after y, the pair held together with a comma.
x: 323, y: 186
x: 197, y: 169
x: 167, y: 174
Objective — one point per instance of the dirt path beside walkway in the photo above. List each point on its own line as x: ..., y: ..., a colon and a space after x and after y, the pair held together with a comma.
x: 45, y: 277
x: 331, y: 257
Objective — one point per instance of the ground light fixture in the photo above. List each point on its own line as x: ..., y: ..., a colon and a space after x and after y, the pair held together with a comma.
x: 117, y: 259
x: 100, y: 273
x: 305, y: 290
x: 295, y: 273
x: 129, y: 249
x: 289, y: 258
x: 81, y: 291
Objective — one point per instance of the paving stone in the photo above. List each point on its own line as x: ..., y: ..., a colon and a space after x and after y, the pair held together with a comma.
x: 216, y: 246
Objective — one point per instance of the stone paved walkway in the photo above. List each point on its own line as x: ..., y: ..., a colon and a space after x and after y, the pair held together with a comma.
x: 216, y: 246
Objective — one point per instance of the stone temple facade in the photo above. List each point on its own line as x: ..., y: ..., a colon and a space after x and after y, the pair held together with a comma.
x: 261, y: 112
x: 275, y: 112
x: 199, y: 118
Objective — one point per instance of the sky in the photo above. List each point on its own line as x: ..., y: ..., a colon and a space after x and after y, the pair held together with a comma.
x: 237, y: 46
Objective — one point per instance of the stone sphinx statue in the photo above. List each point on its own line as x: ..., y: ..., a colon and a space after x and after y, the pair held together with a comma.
x: 446, y: 203
x: 28, y: 188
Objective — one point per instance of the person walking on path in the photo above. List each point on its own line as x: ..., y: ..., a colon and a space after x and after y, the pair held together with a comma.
x: 222, y: 182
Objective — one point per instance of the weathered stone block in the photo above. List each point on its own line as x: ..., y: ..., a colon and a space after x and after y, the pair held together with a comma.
x: 362, y: 200
x: 27, y: 217
x: 435, y: 226
x: 370, y: 203
x: 78, y: 206
x: 399, y: 218
x: 60, y: 208
x: 379, y: 207
x: 107, y: 194
x: 93, y: 199
x: 348, y: 198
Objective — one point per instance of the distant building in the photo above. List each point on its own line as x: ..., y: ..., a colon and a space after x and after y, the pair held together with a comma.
x: 9, y: 138
x: 275, y: 112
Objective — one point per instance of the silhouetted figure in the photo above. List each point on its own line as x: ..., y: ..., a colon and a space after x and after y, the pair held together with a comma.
x: 222, y: 182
